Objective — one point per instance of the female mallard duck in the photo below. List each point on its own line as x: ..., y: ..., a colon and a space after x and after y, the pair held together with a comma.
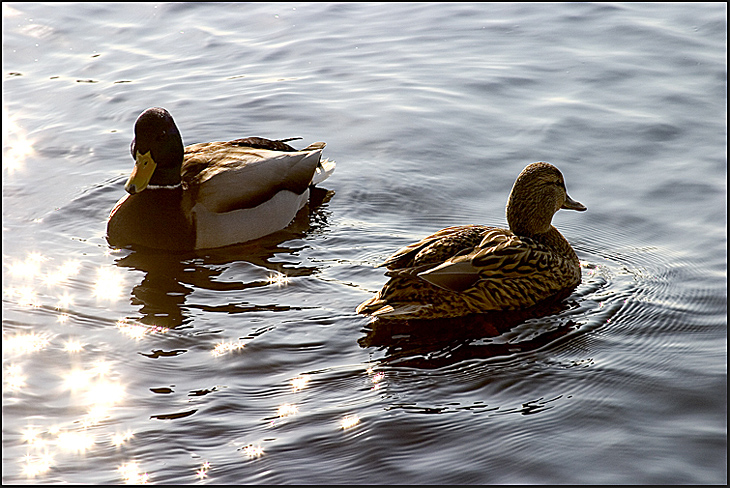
x: 211, y: 194
x: 475, y: 269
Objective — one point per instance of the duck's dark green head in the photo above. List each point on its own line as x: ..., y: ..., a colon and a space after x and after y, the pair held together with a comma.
x: 157, y: 149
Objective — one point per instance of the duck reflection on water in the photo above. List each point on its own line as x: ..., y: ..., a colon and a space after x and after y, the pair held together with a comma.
x: 435, y: 343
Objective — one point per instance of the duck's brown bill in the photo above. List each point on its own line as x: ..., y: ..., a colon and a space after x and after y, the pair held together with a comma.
x: 571, y: 204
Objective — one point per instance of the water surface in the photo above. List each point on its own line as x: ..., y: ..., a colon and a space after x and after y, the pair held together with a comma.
x: 249, y: 364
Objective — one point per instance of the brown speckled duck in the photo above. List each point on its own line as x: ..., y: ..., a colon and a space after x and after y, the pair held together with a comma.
x: 211, y: 194
x: 475, y: 269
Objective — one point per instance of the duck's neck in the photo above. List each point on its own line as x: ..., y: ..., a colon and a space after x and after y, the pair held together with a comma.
x: 166, y: 176
x: 555, y: 239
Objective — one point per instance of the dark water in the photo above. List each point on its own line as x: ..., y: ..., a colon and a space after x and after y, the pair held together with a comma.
x: 249, y: 364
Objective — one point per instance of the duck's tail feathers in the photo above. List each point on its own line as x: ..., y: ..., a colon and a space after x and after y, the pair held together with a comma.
x: 324, y: 169
x: 370, y: 305
x: 396, y: 311
x: 313, y: 146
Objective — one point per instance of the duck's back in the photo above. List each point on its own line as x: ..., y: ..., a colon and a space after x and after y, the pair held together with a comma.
x: 226, y: 177
x: 473, y: 269
x: 509, y: 272
x: 406, y: 295
x: 437, y: 247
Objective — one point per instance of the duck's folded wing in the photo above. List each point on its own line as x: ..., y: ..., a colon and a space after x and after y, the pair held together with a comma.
x: 453, y: 276
x: 405, y: 256
x: 436, y: 248
x: 262, y: 143
x: 506, y: 258
x: 229, y: 177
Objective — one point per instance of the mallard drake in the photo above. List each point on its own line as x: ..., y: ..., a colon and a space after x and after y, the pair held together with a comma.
x: 211, y: 194
x: 475, y: 268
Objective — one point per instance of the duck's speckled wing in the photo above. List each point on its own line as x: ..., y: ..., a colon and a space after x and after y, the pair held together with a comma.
x: 227, y: 176
x: 437, y: 247
x: 263, y: 143
x: 505, y: 268
x: 408, y: 295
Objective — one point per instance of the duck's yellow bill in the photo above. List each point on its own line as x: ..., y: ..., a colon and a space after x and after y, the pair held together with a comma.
x: 144, y: 166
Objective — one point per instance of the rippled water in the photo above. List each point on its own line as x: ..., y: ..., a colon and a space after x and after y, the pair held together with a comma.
x: 249, y: 364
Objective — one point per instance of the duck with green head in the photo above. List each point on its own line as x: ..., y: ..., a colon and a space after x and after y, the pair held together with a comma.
x: 475, y: 269
x: 210, y: 194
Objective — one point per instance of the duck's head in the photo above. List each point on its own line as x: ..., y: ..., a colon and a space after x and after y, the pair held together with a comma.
x: 537, y: 194
x: 157, y: 149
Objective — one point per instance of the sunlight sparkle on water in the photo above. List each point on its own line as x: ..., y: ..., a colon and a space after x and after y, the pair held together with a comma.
x: 77, y: 379
x: 278, y: 279
x: 100, y: 367
x: 286, y: 410
x: 24, y: 343
x: 135, y: 331
x: 37, y: 465
x: 30, y: 435
x: 78, y: 442
x: 225, y: 347
x: 72, y: 346
x: 65, y: 301
x: 27, y: 269
x: 70, y: 268
x: 349, y: 421
x: 14, y: 378
x: 119, y: 439
x: 53, y: 279
x: 90, y: 386
x: 300, y: 382
x: 109, y: 284
x: 202, y: 473
x: 97, y: 392
x: 252, y: 451
x: 105, y: 392
x: 16, y: 146
x: 25, y: 295
x: 131, y: 474
x: 138, y: 331
x: 376, y: 379
x: 96, y: 414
